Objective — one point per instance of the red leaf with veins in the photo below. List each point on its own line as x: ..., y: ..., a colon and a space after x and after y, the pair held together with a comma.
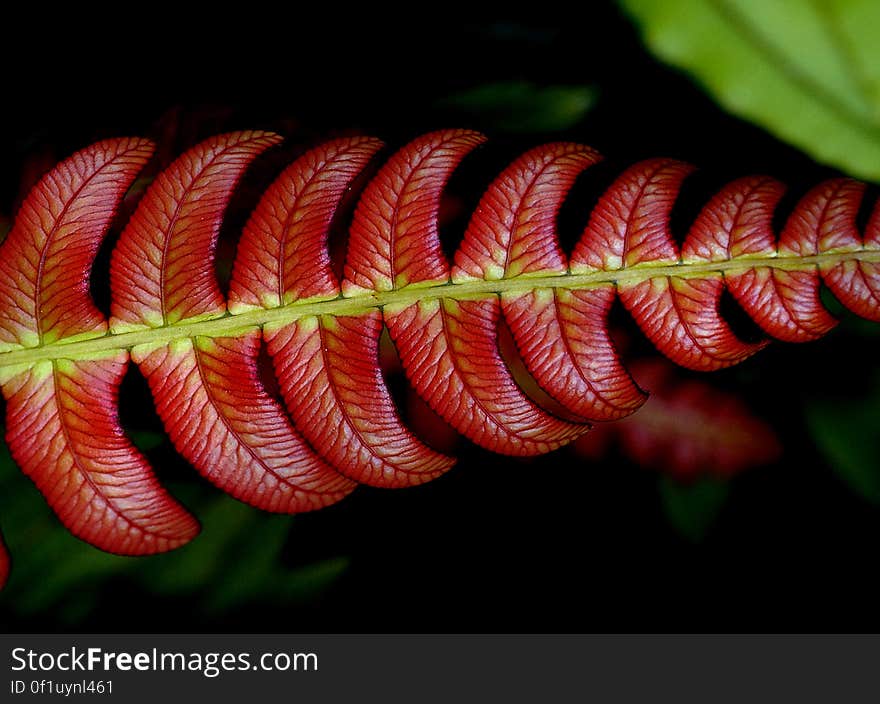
x: 394, y: 236
x: 328, y: 369
x: 283, y: 256
x: 826, y: 221
x: 69, y: 442
x: 220, y: 418
x: 162, y: 270
x: 48, y: 254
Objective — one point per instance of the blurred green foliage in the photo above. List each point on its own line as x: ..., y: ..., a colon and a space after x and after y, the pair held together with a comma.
x: 520, y: 106
x: 692, y: 508
x: 809, y: 72
x: 846, y: 433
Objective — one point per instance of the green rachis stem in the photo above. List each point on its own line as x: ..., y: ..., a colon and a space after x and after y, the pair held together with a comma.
x: 232, y: 324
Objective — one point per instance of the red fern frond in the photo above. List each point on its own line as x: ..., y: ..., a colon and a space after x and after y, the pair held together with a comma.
x: 61, y: 364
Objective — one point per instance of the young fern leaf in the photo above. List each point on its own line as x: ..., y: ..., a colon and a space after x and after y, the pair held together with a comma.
x: 61, y: 365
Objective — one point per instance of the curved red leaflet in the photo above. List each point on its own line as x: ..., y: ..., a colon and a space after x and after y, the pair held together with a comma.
x: 784, y: 303
x: 329, y: 374
x: 46, y: 259
x: 394, y: 238
x: 629, y: 227
x: 827, y: 223
x: 675, y: 316
x: 63, y: 426
x: 857, y: 286
x: 629, y: 224
x: 513, y: 230
x: 735, y: 222
x: 450, y: 352
x: 162, y: 268
x: 209, y: 396
x: 67, y: 439
x: 561, y: 335
x: 282, y: 255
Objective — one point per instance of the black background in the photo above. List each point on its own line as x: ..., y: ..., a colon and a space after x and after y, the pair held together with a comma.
x: 554, y: 544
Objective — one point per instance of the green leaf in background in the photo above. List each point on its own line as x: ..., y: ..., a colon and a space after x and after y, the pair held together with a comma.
x: 847, y: 436
x: 519, y: 106
x: 809, y: 72
x: 692, y: 508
